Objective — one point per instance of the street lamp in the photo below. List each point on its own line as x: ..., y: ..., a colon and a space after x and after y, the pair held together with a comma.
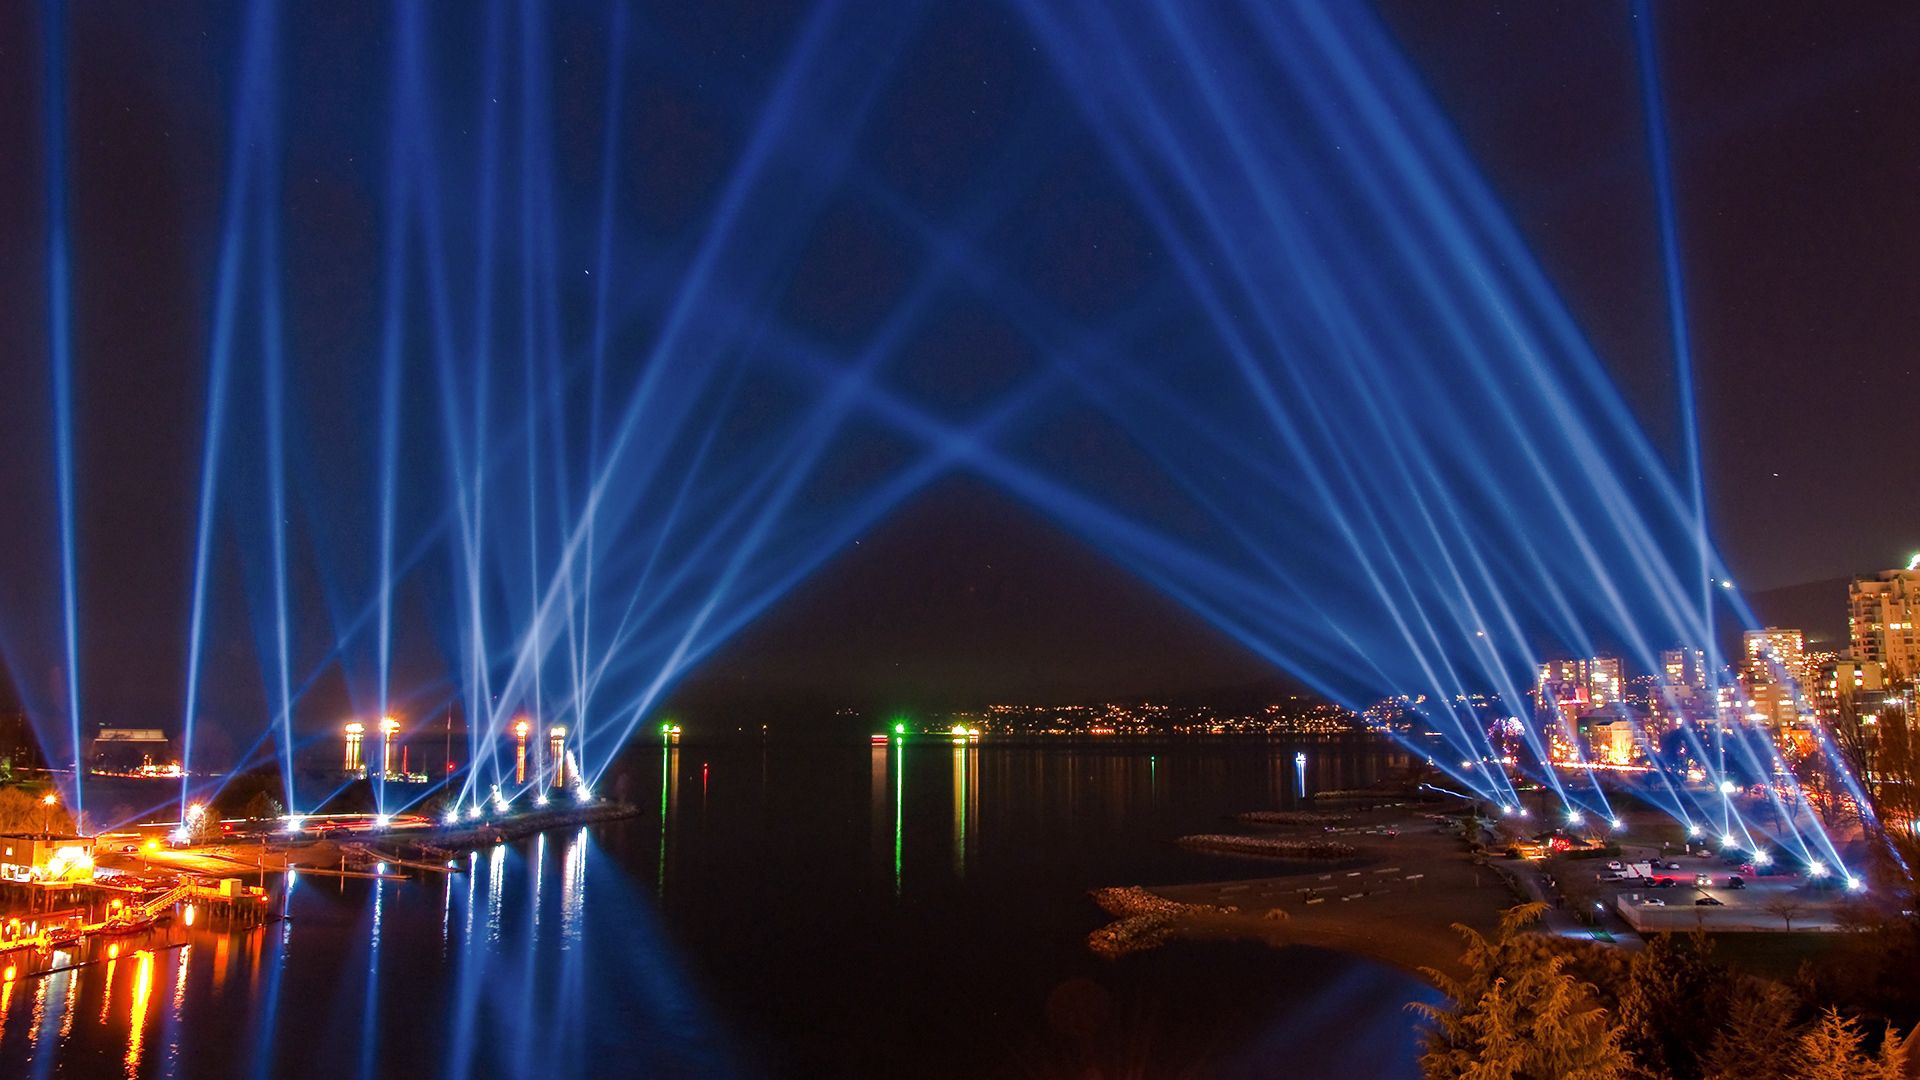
x: 520, y: 730
x: 47, y: 804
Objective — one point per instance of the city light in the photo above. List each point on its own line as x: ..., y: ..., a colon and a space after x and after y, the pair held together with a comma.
x: 1728, y: 787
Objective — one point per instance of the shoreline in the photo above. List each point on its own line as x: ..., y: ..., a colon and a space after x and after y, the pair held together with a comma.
x: 1411, y: 877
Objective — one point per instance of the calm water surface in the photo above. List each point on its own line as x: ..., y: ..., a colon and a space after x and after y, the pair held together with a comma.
x: 786, y: 909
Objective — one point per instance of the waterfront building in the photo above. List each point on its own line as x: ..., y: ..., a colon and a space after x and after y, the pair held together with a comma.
x: 1883, y: 620
x: 28, y: 857
x: 125, y: 750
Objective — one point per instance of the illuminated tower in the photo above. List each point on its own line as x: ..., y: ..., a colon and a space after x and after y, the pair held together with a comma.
x: 389, y: 727
x: 520, y: 729
x: 557, y: 744
x: 355, y: 732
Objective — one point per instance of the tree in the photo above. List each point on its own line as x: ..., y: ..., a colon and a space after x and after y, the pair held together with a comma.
x: 25, y: 811
x: 1674, y: 992
x: 262, y: 807
x: 1760, y: 1021
x: 1831, y: 1050
x: 1784, y: 908
x: 1878, y: 751
x: 1518, y: 1013
x: 202, y: 824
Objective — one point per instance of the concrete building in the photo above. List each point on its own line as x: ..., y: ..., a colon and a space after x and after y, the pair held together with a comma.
x: 1883, y: 620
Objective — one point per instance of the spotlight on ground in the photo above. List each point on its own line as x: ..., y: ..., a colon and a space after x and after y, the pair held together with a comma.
x: 1728, y: 787
x: 453, y: 816
x: 1730, y: 842
x: 1575, y: 817
x: 1618, y: 825
x: 473, y: 812
x: 1761, y: 858
x: 1696, y: 831
x: 1816, y: 869
x: 381, y: 821
x: 1854, y: 884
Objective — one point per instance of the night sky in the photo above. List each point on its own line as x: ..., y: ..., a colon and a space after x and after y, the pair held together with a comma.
x: 1796, y: 161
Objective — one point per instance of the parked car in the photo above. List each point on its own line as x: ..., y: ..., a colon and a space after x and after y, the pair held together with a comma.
x: 1653, y: 901
x: 1663, y: 883
x: 1616, y: 864
x: 1669, y: 866
x: 1736, y: 883
x: 1708, y: 901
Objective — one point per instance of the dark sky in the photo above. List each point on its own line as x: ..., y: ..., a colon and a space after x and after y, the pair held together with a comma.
x: 1796, y: 161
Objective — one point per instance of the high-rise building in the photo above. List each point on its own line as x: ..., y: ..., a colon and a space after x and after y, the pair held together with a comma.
x: 1774, y: 676
x: 1883, y: 620
x: 1578, y: 686
x: 1684, y: 669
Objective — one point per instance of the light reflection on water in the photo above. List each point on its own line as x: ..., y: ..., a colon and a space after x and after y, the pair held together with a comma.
x: 783, y: 924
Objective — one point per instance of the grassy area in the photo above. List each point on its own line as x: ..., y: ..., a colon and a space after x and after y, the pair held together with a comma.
x: 1775, y: 956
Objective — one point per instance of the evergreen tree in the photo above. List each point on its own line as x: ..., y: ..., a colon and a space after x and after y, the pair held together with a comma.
x: 1760, y: 1023
x: 1518, y: 1015
x: 1831, y: 1050
x: 1675, y: 992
